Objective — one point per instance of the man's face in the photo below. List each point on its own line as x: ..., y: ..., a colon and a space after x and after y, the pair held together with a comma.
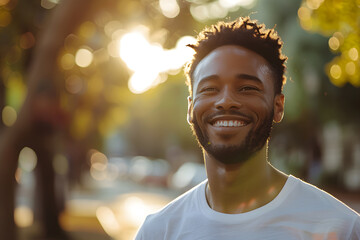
x: 233, y: 103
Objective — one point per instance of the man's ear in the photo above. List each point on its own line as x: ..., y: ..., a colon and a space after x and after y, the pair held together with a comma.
x: 189, y: 116
x: 279, y: 102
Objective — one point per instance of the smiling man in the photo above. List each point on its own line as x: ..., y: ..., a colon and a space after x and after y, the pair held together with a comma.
x: 235, y: 81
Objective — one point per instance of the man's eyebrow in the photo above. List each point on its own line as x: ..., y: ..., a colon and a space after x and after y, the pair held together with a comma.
x: 208, y: 78
x: 238, y: 76
x: 249, y: 77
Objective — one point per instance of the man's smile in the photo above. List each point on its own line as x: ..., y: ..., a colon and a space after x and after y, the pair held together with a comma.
x: 228, y: 123
x: 234, y: 120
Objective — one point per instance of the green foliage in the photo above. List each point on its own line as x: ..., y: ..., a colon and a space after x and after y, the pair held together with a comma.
x: 340, y: 21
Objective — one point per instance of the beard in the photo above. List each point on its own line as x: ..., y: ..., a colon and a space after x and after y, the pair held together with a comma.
x: 254, y: 141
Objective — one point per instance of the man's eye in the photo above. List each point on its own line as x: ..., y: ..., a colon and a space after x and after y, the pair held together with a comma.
x: 248, y: 88
x: 208, y: 89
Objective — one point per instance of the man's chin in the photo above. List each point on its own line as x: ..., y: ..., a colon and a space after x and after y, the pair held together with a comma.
x: 238, y: 153
x: 228, y: 154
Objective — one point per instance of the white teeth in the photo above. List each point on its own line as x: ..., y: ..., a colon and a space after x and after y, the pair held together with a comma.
x: 229, y: 123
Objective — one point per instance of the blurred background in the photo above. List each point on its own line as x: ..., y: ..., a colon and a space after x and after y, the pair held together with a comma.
x: 93, y: 131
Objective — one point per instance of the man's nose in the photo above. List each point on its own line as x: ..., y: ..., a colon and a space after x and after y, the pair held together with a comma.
x: 227, y: 100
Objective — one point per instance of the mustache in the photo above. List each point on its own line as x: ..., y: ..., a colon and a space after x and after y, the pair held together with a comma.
x: 228, y: 112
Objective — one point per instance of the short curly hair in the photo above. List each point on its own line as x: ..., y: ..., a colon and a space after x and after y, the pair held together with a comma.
x: 242, y: 32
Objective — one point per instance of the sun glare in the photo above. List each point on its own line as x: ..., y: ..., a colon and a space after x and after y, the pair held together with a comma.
x: 150, y: 62
x: 140, y: 81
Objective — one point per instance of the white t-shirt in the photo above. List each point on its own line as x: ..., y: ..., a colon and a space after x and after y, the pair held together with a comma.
x: 299, y: 211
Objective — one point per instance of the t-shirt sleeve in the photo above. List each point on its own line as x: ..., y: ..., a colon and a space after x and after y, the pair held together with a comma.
x: 355, y: 235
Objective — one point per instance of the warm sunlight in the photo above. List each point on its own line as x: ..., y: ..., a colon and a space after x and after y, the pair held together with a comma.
x: 150, y: 62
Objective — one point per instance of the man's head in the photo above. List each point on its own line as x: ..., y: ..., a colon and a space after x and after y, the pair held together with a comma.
x: 242, y: 32
x: 235, y: 82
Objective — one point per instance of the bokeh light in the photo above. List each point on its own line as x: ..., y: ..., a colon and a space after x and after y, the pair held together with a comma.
x: 27, y: 159
x: 23, y: 216
x: 98, y: 157
x: 99, y: 163
x: 200, y: 13
x: 67, y: 61
x: 335, y: 71
x: 353, y: 54
x: 334, y: 43
x: 9, y: 116
x: 350, y: 68
x: 83, y: 57
x: 87, y: 29
x: 16, y: 89
x: 304, y: 14
x: 217, y: 11
x: 169, y: 8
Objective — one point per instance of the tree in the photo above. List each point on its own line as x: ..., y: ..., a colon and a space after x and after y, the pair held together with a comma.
x: 40, y: 118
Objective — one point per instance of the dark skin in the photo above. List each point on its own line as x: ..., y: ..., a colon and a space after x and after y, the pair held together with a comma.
x: 235, y: 78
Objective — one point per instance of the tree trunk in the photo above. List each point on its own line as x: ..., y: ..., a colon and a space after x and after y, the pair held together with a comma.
x: 39, y: 116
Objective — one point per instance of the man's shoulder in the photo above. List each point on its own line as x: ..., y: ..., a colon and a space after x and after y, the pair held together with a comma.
x: 315, y: 198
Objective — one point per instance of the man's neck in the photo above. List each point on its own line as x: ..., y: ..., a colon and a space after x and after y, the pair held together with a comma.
x: 242, y: 187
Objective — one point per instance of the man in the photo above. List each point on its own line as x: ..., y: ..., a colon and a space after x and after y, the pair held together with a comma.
x: 235, y: 80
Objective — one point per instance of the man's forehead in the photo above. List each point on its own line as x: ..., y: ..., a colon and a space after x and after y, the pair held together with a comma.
x: 244, y: 60
x: 217, y: 52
